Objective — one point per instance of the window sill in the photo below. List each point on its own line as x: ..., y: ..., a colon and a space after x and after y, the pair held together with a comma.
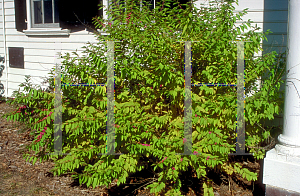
x: 47, y: 32
x: 102, y: 32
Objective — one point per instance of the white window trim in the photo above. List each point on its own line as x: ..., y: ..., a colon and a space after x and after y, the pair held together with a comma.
x: 51, y: 31
x: 48, y: 32
x: 107, y: 3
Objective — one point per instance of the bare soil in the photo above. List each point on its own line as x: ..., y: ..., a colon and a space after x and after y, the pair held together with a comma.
x: 18, y: 177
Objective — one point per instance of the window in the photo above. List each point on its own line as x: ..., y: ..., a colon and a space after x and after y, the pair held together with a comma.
x: 72, y: 15
x: 154, y: 3
x: 139, y: 3
x: 143, y: 3
x: 44, y: 13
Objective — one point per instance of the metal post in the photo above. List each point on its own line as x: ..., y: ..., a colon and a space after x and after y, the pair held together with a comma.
x: 4, y: 45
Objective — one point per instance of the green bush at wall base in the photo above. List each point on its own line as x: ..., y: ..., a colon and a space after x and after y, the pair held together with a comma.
x: 149, y: 97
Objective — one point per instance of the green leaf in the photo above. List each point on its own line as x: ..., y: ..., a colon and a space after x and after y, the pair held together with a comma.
x: 126, y: 110
x: 161, y: 66
x: 244, y: 175
x: 276, y: 109
x: 242, y: 27
x: 89, y: 181
x: 30, y: 159
x: 34, y: 160
x: 184, y: 29
x: 94, y: 183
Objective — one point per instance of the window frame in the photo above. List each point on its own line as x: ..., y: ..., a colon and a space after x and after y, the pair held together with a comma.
x: 141, y: 3
x: 124, y: 10
x: 43, y: 25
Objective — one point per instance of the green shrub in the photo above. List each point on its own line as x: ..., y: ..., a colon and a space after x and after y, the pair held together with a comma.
x: 149, y: 98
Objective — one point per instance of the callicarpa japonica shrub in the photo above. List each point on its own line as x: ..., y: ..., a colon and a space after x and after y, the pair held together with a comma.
x: 149, y: 97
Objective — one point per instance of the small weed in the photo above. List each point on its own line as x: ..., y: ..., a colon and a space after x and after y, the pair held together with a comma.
x: 37, y: 190
x: 13, y: 185
x: 7, y: 176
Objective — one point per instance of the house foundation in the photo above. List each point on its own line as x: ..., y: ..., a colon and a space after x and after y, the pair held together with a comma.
x: 275, y: 191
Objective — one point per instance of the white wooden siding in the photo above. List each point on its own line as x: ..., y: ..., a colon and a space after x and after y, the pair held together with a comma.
x: 255, y: 13
x: 39, y: 52
x: 267, y: 14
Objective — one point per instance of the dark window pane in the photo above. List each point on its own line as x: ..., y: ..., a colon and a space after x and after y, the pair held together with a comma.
x: 56, y: 16
x: 138, y: 3
x: 37, y: 12
x: 150, y: 4
x: 48, y: 11
x: 85, y: 12
x: 172, y: 5
x: 122, y: 2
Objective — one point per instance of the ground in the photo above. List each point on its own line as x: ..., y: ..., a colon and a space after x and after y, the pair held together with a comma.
x: 18, y: 177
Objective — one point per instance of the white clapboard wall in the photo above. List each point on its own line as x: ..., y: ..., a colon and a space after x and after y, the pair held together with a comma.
x: 267, y: 14
x: 255, y: 14
x: 39, y: 52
